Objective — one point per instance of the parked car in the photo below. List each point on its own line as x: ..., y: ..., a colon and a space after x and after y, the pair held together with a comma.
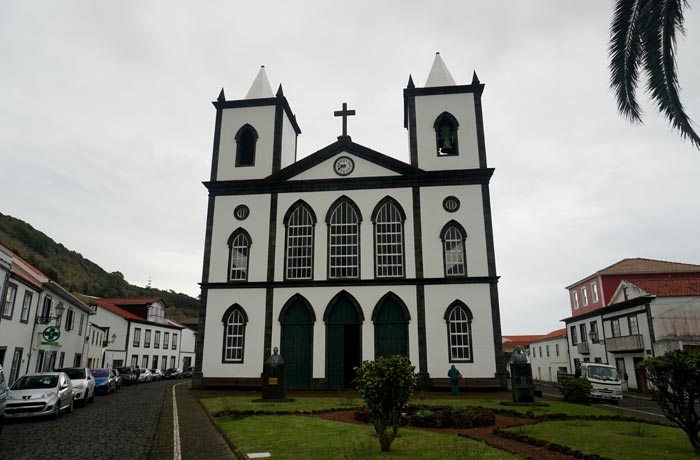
x: 117, y: 378
x: 188, y: 373
x: 127, y: 374
x: 157, y: 375
x: 145, y: 376
x: 104, y: 380
x: 83, y: 383
x: 3, y: 398
x: 173, y: 373
x: 33, y: 395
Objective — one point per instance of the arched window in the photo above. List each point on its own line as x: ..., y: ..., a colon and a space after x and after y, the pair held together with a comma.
x: 246, y: 138
x: 453, y: 238
x: 446, y: 126
x: 459, y: 332
x: 238, y: 251
x: 388, y: 218
x: 235, y: 320
x: 343, y: 221
x: 299, y: 222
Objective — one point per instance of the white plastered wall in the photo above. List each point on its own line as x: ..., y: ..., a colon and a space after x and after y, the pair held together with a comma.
x: 470, y: 215
x: 363, y: 168
x: 260, y: 118
x: 478, y: 298
x: 257, y: 225
x: 461, y: 106
x: 366, y: 200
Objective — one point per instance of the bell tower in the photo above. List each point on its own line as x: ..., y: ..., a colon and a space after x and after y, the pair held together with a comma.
x: 255, y: 136
x: 444, y: 121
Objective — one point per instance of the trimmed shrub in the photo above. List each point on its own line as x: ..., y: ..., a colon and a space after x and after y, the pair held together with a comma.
x: 577, y: 391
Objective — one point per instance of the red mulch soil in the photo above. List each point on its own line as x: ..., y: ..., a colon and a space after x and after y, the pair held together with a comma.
x: 484, y: 434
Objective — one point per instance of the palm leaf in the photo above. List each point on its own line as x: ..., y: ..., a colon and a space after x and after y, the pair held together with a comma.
x: 625, y: 51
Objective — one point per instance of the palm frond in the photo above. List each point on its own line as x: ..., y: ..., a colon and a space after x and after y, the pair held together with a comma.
x: 625, y: 51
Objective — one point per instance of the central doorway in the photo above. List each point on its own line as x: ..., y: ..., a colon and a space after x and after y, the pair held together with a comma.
x: 343, y: 337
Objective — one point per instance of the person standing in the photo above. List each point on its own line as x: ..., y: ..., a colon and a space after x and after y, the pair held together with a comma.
x: 137, y: 374
x: 454, y: 376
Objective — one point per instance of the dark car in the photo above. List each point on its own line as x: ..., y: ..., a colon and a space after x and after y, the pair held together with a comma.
x: 127, y: 375
x: 173, y: 373
x: 188, y: 373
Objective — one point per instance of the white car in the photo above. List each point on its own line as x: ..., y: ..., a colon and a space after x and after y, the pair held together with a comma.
x: 83, y: 383
x: 33, y: 395
x: 145, y: 376
x: 3, y: 398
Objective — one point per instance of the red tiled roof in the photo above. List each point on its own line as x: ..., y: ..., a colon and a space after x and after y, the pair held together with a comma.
x: 511, y: 341
x: 553, y: 335
x: 674, y: 287
x: 132, y: 300
x: 116, y: 310
x: 640, y: 265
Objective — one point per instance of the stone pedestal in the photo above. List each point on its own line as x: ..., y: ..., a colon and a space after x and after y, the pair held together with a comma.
x: 274, y: 372
x: 521, y: 379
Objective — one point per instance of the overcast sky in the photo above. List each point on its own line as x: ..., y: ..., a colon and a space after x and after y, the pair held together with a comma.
x: 106, y: 126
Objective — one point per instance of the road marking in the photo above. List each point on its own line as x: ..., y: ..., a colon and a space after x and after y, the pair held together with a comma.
x: 177, y: 455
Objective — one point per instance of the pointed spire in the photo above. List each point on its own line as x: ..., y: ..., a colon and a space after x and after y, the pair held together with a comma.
x: 439, y: 75
x: 475, y: 79
x: 410, y: 82
x: 222, y: 96
x: 260, y: 87
x: 280, y: 93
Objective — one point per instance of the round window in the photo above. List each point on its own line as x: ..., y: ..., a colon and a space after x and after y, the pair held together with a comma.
x: 451, y: 204
x: 241, y: 212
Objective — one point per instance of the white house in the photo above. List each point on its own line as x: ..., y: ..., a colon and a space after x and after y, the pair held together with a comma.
x: 138, y: 333
x: 348, y: 254
x: 549, y: 355
x: 645, y: 317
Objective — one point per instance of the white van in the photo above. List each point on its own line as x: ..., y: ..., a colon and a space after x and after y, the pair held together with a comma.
x: 604, y: 379
x: 3, y: 398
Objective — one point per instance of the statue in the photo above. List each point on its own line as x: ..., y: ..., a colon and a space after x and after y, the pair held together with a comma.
x: 521, y: 377
x: 273, y: 379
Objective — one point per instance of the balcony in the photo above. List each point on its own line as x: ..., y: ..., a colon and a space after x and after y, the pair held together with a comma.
x: 583, y: 348
x: 626, y: 343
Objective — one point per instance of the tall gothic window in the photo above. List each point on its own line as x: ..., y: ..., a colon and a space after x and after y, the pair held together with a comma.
x: 239, y: 250
x: 446, y: 126
x: 453, y: 239
x: 388, y: 219
x: 235, y: 320
x: 246, y: 139
x: 459, y: 332
x: 299, y: 222
x: 343, y: 221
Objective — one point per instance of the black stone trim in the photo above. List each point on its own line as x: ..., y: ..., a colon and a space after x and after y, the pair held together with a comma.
x: 421, y: 179
x: 470, y: 316
x: 199, y: 341
x: 277, y: 140
x: 215, y: 148
x: 353, y: 301
x: 417, y: 231
x: 497, y: 337
x: 279, y: 100
x: 422, y: 336
x: 411, y: 123
x: 344, y: 145
x: 224, y: 319
x: 353, y: 282
x: 269, y: 297
x: 267, y: 343
x: 453, y: 89
x: 292, y: 299
x: 481, y: 142
x: 488, y: 229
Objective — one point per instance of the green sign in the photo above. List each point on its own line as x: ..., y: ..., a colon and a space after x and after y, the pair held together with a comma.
x: 51, y: 334
x: 53, y: 344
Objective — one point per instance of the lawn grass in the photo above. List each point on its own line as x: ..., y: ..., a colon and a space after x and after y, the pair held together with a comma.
x: 245, y: 403
x: 303, y: 437
x: 552, y: 407
x: 615, y: 440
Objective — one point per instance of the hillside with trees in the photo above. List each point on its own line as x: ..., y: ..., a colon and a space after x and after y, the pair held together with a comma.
x: 80, y: 275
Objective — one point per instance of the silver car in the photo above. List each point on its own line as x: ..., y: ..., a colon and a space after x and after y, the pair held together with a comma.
x: 83, y: 383
x: 34, y: 395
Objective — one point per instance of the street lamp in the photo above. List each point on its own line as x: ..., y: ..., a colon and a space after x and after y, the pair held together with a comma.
x: 60, y: 308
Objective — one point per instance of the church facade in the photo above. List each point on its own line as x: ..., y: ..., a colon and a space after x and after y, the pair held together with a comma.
x: 348, y: 254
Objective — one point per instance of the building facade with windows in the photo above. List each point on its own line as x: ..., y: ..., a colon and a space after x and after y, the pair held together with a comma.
x: 138, y: 334
x: 549, y: 356
x: 349, y: 254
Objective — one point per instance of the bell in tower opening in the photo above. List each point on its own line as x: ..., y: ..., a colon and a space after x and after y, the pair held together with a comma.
x: 446, y: 134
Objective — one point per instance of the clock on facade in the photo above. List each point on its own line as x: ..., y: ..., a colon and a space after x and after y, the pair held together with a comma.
x: 343, y: 166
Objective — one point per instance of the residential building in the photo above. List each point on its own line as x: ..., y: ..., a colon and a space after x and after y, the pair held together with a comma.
x: 549, y: 356
x: 349, y: 254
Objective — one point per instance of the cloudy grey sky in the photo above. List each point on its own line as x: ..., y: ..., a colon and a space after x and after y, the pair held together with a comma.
x: 106, y: 126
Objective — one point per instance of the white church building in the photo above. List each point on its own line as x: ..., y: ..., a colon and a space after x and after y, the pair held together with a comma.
x: 348, y: 254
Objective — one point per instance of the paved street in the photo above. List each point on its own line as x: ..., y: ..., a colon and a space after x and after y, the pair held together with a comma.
x: 121, y: 425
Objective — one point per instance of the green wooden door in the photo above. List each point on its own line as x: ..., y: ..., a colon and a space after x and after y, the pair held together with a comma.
x: 342, y: 344
x: 390, y: 330
x: 297, y: 346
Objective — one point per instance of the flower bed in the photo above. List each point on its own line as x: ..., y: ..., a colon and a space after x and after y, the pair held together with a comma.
x: 438, y: 417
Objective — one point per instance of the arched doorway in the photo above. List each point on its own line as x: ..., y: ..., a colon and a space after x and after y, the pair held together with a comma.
x: 343, y: 352
x: 390, y: 327
x: 297, y: 320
